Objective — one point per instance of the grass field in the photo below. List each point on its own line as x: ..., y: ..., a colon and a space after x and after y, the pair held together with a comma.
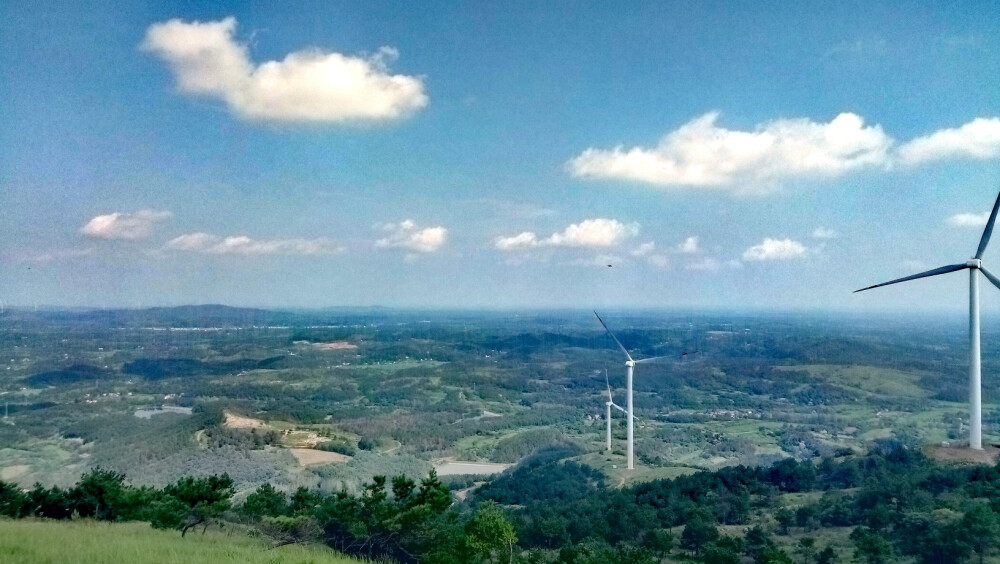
x: 872, y: 379
x: 91, y: 542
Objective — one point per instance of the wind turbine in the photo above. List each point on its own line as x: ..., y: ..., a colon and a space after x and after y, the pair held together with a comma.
x: 630, y: 412
x: 973, y: 264
x: 609, y: 404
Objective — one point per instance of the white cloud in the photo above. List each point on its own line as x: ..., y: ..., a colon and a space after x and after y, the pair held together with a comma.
x: 306, y: 86
x: 969, y: 219
x: 978, y: 139
x: 117, y: 225
x: 775, y: 249
x: 241, y: 245
x: 644, y: 249
x: 689, y: 246
x: 702, y: 154
x: 524, y: 240
x: 824, y: 233
x: 594, y: 233
x: 589, y: 233
x: 408, y: 235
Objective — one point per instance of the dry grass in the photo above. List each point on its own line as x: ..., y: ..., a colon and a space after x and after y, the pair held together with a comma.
x: 309, y: 457
x: 29, y: 541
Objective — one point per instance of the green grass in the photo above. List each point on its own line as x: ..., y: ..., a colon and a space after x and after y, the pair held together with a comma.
x: 872, y: 379
x: 89, y: 542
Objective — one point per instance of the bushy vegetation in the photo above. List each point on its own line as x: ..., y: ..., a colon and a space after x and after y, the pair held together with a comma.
x: 898, y: 504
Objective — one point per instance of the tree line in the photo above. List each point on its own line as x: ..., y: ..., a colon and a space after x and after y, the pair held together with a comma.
x: 900, y: 505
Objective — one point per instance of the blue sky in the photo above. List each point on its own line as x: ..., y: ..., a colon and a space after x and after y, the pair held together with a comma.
x: 774, y: 155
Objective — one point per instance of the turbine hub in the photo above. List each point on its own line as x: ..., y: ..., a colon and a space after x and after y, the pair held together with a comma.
x: 629, y: 363
x: 974, y: 263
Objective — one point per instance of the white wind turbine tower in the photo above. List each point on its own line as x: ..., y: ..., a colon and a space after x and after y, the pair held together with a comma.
x: 609, y: 404
x: 973, y: 264
x: 630, y: 412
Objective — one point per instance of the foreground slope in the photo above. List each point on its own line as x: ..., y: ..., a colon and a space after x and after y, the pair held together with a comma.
x: 92, y: 542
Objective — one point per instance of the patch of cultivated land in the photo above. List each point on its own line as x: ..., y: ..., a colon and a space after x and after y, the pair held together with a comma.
x: 872, y: 379
x: 240, y: 422
x: 308, y: 456
x: 29, y: 541
x: 456, y: 467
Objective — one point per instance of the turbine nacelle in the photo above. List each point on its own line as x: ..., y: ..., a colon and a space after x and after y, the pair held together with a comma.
x: 974, y: 263
x: 630, y: 363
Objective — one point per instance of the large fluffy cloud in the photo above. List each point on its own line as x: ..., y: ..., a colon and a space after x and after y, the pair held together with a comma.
x: 589, y: 233
x: 703, y: 154
x: 775, y: 249
x: 241, y: 245
x: 306, y: 86
x: 410, y: 236
x: 700, y: 153
x: 118, y: 225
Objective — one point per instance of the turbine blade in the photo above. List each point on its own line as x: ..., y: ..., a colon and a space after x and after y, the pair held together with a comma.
x: 654, y: 358
x: 990, y: 276
x: 619, y: 408
x: 608, y: 384
x: 985, y: 240
x: 613, y: 336
x: 935, y: 272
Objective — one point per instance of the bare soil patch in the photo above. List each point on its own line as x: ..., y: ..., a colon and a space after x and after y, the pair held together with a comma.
x: 13, y: 472
x: 455, y: 467
x: 240, y: 422
x: 308, y: 456
x: 334, y: 346
x: 960, y: 453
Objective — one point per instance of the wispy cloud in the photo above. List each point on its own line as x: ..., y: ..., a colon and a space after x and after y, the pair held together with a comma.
x: 689, y: 246
x: 208, y: 243
x: 589, y: 233
x: 644, y: 249
x: 408, y: 235
x: 306, y: 86
x: 858, y: 47
x: 648, y: 252
x: 824, y: 233
x: 709, y: 264
x: 601, y: 260
x: 969, y: 219
x: 61, y: 254
x: 702, y: 154
x: 118, y: 225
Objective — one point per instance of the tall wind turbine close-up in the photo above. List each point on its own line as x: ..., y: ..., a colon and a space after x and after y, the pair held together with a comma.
x: 974, y: 264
